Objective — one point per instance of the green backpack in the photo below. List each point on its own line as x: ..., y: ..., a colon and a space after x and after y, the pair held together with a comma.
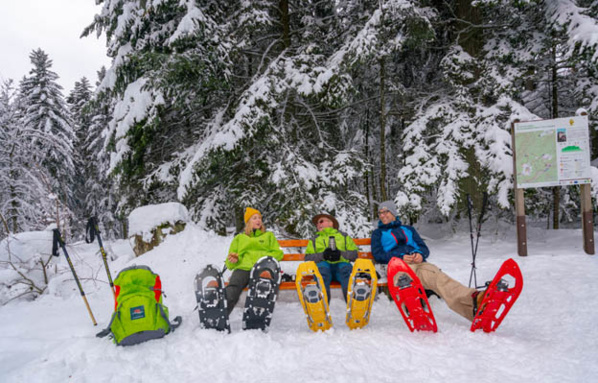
x: 139, y: 314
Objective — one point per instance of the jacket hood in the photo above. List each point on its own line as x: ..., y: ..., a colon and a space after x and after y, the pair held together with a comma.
x: 396, y: 223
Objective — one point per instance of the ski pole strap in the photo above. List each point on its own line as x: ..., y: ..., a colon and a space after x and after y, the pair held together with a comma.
x: 55, y: 242
x: 90, y: 230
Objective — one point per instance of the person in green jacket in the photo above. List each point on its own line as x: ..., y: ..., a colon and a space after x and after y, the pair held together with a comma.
x: 333, y: 259
x: 245, y: 250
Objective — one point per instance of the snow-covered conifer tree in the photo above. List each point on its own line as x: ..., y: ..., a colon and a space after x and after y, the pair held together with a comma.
x: 77, y: 101
x: 48, y: 128
x: 167, y: 74
x: 24, y: 187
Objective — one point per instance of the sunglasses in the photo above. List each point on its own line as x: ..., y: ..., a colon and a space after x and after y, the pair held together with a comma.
x: 384, y: 211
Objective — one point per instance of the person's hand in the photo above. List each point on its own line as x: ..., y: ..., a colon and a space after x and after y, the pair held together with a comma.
x: 413, y: 258
x: 233, y: 257
x: 332, y: 255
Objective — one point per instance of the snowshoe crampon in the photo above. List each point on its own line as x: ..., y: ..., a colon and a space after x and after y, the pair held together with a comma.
x: 410, y: 297
x: 499, y: 297
x: 211, y: 300
x: 313, y: 297
x: 361, y: 293
x: 264, y: 282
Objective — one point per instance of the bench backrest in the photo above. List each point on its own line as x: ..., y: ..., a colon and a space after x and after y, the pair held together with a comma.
x: 302, y: 244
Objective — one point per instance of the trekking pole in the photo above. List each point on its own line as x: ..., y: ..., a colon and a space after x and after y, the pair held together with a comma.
x: 92, y: 230
x: 479, y: 233
x: 57, y: 241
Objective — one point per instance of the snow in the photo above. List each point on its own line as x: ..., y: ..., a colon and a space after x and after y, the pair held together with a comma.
x: 549, y: 335
x: 144, y: 219
x: 22, y: 247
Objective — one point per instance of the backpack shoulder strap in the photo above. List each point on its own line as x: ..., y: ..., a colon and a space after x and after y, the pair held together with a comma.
x: 107, y: 330
x: 176, y: 322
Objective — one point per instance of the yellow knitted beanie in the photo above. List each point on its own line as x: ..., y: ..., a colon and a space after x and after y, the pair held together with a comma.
x: 249, y: 212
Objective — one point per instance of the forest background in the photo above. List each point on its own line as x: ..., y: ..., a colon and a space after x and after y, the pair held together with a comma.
x: 298, y: 107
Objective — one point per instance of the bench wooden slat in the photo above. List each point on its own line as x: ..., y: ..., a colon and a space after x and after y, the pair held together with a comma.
x: 293, y: 242
x: 302, y: 243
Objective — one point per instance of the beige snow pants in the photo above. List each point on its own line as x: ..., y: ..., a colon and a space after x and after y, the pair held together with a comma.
x: 457, y: 297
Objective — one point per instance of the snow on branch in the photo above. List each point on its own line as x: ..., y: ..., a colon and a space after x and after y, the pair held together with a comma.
x: 581, y: 28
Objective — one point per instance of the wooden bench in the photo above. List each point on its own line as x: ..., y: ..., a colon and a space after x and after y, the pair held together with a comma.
x: 299, y: 256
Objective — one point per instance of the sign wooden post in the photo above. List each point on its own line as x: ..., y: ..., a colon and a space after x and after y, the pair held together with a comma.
x: 587, y: 219
x: 519, y: 202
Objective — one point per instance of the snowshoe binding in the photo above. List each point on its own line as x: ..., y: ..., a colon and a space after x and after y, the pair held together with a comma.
x: 264, y: 282
x: 361, y: 293
x: 211, y: 300
x: 313, y: 297
x: 410, y: 297
x: 499, y: 297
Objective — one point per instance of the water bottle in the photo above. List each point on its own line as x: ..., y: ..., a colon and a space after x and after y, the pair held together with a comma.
x: 332, y: 243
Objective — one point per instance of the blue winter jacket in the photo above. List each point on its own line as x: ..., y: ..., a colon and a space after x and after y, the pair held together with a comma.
x: 396, y: 240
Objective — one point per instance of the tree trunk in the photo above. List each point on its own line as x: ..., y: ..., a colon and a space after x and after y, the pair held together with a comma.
x: 285, y: 21
x: 367, y: 172
x: 471, y: 39
x: 383, y: 194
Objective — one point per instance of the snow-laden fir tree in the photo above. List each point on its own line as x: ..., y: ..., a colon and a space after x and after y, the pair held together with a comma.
x: 167, y: 73
x: 77, y: 101
x: 48, y: 129
x: 99, y: 199
x: 24, y: 187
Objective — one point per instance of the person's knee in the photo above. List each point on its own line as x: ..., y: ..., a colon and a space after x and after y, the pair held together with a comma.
x: 345, y: 268
x: 325, y: 272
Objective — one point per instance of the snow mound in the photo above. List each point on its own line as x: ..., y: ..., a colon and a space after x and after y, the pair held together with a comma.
x: 144, y: 219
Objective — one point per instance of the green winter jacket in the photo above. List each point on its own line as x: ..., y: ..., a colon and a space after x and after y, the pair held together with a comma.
x: 343, y: 242
x: 252, y: 247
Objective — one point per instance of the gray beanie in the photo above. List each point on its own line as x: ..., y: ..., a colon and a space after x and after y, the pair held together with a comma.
x: 390, y: 206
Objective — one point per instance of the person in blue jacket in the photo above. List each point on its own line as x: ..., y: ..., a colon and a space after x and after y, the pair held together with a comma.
x: 393, y: 239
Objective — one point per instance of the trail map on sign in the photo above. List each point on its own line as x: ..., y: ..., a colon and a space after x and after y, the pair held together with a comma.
x: 552, y: 152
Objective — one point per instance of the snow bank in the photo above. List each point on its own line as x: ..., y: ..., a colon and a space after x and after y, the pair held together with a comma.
x: 23, y: 247
x: 144, y: 219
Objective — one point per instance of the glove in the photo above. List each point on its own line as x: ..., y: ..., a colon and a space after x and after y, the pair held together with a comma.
x: 332, y: 255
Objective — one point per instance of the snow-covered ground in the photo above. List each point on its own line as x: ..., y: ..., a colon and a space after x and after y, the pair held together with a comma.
x: 550, y: 335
